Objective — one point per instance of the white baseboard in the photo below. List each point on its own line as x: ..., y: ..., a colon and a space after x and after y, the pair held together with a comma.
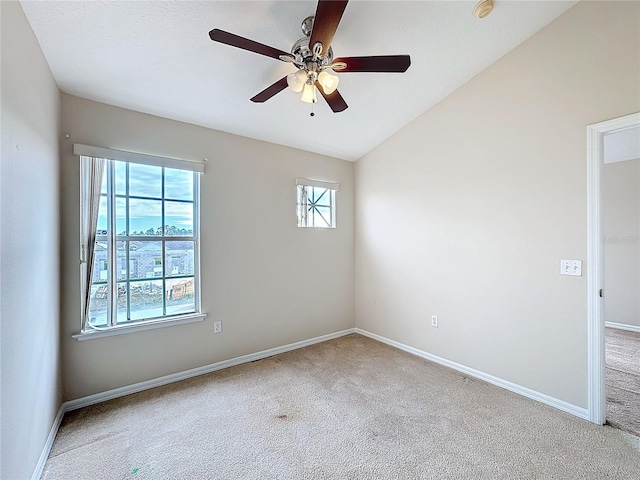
x: 622, y: 326
x: 37, y: 473
x: 194, y: 372
x: 176, y: 377
x: 513, y: 387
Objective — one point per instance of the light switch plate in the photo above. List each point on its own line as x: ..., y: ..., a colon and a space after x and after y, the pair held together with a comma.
x: 571, y: 267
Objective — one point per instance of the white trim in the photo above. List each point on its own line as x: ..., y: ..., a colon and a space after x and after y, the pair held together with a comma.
x: 46, y: 450
x: 194, y: 372
x: 122, y: 156
x: 513, y: 387
x: 197, y: 243
x: 595, y: 260
x: 595, y: 281
x: 176, y: 377
x: 318, y: 183
x: 622, y: 326
x: 139, y: 327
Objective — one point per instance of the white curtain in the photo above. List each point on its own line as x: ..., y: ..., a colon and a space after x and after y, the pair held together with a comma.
x: 303, y: 206
x: 91, y: 172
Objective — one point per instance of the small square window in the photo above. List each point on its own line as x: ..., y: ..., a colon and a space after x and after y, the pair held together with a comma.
x: 316, y: 205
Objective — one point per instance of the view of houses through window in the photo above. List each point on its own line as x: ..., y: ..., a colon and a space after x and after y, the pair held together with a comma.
x: 146, y: 269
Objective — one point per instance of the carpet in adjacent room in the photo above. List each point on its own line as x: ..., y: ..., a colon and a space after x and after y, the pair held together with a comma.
x: 623, y: 379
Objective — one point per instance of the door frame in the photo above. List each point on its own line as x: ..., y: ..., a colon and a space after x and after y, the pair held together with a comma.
x: 596, y: 404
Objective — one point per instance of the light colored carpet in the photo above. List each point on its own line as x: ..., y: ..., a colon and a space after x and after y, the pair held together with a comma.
x: 623, y: 379
x: 350, y: 408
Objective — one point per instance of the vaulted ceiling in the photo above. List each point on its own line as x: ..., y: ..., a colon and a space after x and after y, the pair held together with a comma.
x: 156, y: 57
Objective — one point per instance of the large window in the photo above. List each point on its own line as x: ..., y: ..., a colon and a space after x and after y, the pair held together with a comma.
x: 145, y: 260
x: 316, y: 203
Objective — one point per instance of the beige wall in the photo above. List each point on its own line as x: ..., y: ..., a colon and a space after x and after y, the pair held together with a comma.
x: 30, y: 394
x: 270, y: 282
x: 466, y: 212
x: 621, y: 186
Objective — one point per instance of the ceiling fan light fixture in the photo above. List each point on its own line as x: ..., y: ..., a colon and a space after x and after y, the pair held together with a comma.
x: 328, y: 81
x: 296, y: 81
x: 309, y: 93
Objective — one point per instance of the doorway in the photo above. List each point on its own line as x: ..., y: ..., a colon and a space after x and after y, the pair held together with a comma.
x: 621, y: 223
x: 602, y: 139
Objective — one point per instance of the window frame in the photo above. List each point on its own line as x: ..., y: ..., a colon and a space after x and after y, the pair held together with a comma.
x: 112, y: 238
x: 301, y: 204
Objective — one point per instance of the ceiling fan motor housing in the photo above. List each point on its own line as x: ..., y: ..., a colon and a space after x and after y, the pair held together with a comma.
x: 306, y: 59
x: 304, y: 55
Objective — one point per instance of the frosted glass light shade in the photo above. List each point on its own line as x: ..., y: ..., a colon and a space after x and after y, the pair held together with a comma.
x: 309, y: 94
x: 328, y: 81
x: 297, y: 80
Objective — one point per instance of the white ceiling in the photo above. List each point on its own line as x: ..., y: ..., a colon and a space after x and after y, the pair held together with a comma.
x: 156, y: 57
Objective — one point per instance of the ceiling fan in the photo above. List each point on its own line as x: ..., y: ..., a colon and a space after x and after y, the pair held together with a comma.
x: 313, y: 56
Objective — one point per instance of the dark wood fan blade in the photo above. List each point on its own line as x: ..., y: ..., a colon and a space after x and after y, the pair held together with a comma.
x: 335, y: 100
x: 325, y: 23
x: 245, y: 44
x: 381, y: 63
x: 270, y: 91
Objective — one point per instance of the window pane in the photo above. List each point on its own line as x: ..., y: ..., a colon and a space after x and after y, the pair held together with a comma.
x: 121, y: 258
x: 102, y: 216
x: 122, y: 303
x: 121, y: 178
x: 98, y: 305
x: 321, y: 217
x: 145, y: 260
x: 121, y: 216
x: 180, y: 296
x: 178, y: 184
x: 321, y: 197
x: 179, y: 258
x: 178, y: 218
x: 100, y: 263
x: 146, y: 299
x: 145, y: 217
x: 145, y: 180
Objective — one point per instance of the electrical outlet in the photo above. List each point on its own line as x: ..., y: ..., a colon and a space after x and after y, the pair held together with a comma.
x: 217, y: 327
x: 434, y: 320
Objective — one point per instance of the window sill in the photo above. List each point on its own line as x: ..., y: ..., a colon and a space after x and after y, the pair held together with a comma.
x: 92, y: 334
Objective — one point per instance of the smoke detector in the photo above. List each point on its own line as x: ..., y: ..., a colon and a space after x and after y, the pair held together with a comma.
x: 483, y: 8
